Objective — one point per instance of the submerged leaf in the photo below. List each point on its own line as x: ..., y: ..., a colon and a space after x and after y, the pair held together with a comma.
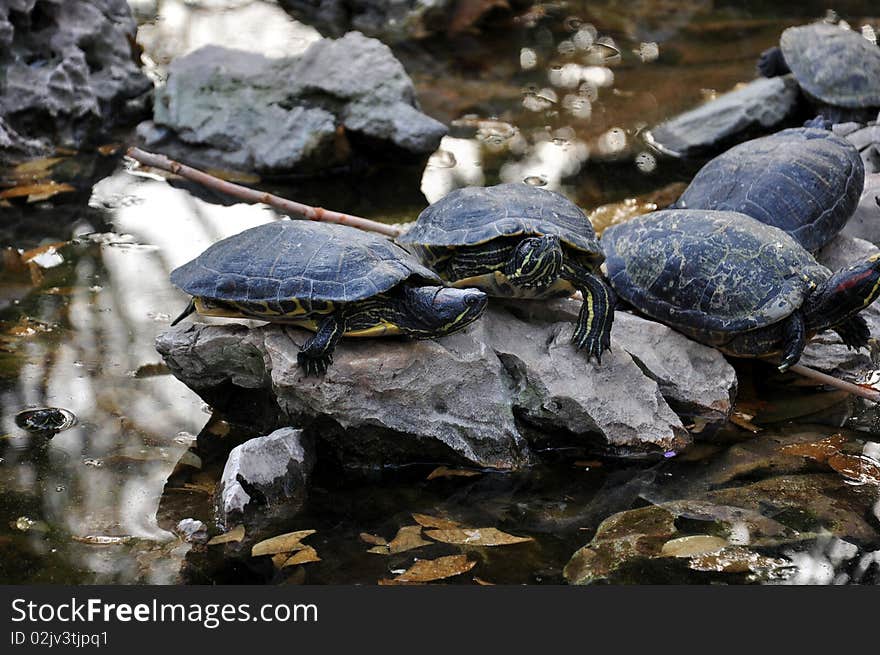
x: 692, y: 545
x: 306, y: 555
x: 407, y: 538
x: 427, y: 570
x: 446, y: 472
x: 476, y: 537
x: 234, y: 535
x: 283, y: 543
x: 373, y: 539
x: 434, y: 521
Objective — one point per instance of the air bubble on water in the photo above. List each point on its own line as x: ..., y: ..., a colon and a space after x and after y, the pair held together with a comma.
x: 646, y: 162
x: 159, y: 317
x: 93, y: 462
x: 585, y: 37
x: 442, y: 159
x: 589, y: 91
x: 565, y: 48
x: 613, y: 141
x: 567, y: 76
x: 573, y: 23
x: 649, y: 52
x: 577, y: 105
x: 536, y: 180
x: 59, y: 488
x: 600, y: 76
x: 528, y: 59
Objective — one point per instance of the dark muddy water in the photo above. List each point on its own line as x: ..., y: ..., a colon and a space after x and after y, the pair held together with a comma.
x: 95, y: 501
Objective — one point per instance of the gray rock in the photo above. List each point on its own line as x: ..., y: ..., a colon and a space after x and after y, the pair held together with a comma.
x: 68, y: 72
x: 695, y: 380
x: 192, y: 531
x: 761, y: 105
x: 866, y: 138
x: 270, y: 472
x: 463, y: 399
x: 240, y: 110
x: 865, y: 221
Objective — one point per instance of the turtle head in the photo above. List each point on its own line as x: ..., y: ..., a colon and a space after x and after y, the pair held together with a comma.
x: 437, y: 311
x: 536, y: 262
x: 846, y: 293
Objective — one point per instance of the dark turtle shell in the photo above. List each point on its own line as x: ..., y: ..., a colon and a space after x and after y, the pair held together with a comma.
x: 806, y: 181
x: 475, y: 215
x: 836, y: 65
x: 712, y: 271
x: 296, y: 259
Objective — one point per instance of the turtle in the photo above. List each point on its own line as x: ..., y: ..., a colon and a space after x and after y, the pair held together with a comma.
x: 804, y: 180
x: 729, y: 281
x: 331, y: 279
x: 522, y: 241
x: 837, y: 69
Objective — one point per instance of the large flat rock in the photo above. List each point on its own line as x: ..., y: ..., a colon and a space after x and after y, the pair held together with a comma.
x: 468, y: 398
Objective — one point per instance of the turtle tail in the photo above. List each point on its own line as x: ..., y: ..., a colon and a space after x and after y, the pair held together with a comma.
x: 190, y: 308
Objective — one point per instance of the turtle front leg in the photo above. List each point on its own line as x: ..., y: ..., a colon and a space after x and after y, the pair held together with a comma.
x: 771, y: 63
x: 593, y: 328
x: 794, y: 338
x: 854, y: 332
x: 316, y: 354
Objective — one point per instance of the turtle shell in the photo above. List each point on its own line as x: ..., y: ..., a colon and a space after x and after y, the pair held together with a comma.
x: 720, y: 272
x: 475, y: 215
x: 836, y: 65
x: 296, y: 259
x: 806, y: 181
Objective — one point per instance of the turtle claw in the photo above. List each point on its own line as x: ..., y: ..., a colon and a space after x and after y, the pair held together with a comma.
x: 854, y: 333
x: 313, y: 365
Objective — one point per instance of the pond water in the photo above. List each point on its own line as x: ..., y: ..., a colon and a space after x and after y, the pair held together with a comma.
x: 79, y: 311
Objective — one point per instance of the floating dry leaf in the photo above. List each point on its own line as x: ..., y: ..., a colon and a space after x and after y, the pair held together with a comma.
x: 857, y: 468
x: 393, y: 582
x: 283, y: 543
x: 279, y: 559
x: 35, y: 169
x: 234, y: 535
x: 476, y: 537
x: 427, y: 570
x: 483, y: 583
x: 373, y: 539
x: 818, y: 450
x: 306, y: 555
x: 101, y: 539
x: 36, y: 192
x: 435, y: 521
x: 744, y: 421
x: 407, y: 538
x: 698, y: 544
x: 446, y: 472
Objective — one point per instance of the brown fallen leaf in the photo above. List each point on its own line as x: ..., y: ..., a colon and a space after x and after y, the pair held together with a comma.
x: 434, y: 521
x: 101, y: 539
x: 306, y: 555
x: 279, y: 558
x: 857, y: 468
x: 373, y: 539
x: 407, y: 538
x: 35, y: 169
x: 428, y: 570
x: 818, y: 450
x: 692, y: 545
x: 446, y: 472
x: 476, y: 537
x: 232, y: 536
x: 393, y: 582
x: 483, y: 583
x: 283, y: 543
x: 37, y: 191
x: 744, y: 421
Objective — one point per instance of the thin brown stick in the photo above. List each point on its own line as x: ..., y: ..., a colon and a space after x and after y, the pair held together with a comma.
x: 254, y: 196
x: 831, y: 381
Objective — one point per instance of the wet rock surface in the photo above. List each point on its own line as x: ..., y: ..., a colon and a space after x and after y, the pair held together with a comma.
x: 339, y: 100
x: 759, y: 106
x: 265, y: 477
x: 70, y: 73
x: 468, y: 398
x: 865, y: 221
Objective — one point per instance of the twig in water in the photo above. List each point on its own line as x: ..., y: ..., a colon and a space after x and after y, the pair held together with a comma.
x: 831, y: 381
x: 254, y: 196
